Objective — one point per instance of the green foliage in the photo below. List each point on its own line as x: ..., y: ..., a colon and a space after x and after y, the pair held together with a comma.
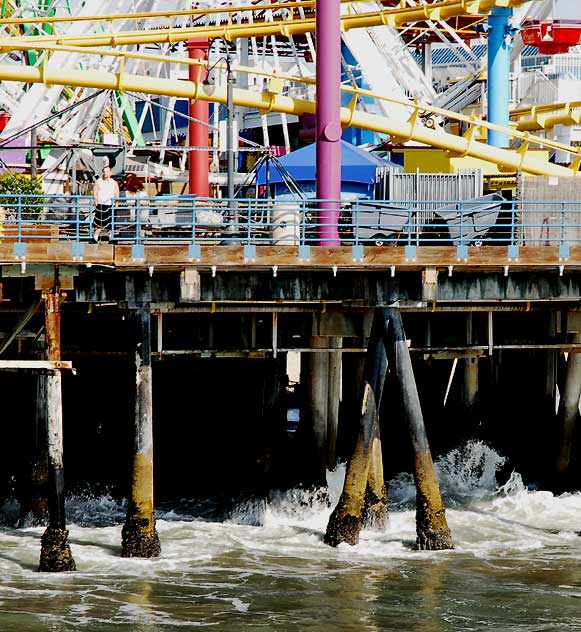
x: 13, y: 184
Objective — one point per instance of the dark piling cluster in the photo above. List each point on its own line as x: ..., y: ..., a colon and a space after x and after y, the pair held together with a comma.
x: 364, y: 498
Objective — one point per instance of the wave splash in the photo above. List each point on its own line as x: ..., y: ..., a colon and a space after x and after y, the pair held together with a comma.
x: 468, y: 477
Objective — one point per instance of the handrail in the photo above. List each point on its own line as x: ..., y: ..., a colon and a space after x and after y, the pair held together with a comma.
x: 192, y: 221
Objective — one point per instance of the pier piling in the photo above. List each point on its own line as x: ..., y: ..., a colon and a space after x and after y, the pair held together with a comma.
x: 318, y: 398
x: 431, y: 525
x: 55, y: 553
x: 139, y: 535
x: 363, y: 496
x: 333, y: 399
x: 470, y: 383
x: 375, y: 505
x: 569, y: 408
x: 33, y: 498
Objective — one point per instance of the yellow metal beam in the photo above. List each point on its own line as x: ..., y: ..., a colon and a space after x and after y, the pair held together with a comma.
x: 144, y: 15
x: 545, y: 117
x: 544, y: 107
x: 520, y: 132
x: 440, y: 10
x: 413, y: 129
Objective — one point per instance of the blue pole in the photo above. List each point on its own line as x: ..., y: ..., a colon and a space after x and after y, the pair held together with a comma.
x: 499, y: 45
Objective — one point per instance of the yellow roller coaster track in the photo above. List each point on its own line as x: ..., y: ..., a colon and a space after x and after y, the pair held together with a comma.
x: 472, y: 124
x: 412, y: 129
x: 545, y: 117
x: 441, y: 10
x: 144, y: 15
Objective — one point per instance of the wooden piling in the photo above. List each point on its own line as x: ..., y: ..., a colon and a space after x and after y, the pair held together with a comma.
x: 364, y: 496
x: 431, y: 525
x: 139, y: 535
x: 470, y: 382
x: 33, y: 497
x: 569, y: 409
x: 333, y: 399
x: 375, y: 505
x: 55, y: 554
x: 318, y: 398
x: 273, y: 426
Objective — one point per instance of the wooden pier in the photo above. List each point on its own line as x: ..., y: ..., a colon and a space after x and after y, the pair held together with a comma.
x: 192, y: 387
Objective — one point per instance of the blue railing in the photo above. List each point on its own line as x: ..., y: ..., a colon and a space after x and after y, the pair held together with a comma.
x: 195, y: 221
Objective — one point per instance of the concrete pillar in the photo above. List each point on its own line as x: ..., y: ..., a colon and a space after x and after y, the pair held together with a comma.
x: 318, y: 398
x: 329, y: 131
x: 333, y: 399
x: 139, y: 534
x: 470, y: 385
x: 55, y: 554
x: 569, y: 408
x: 470, y: 382
x: 198, y: 134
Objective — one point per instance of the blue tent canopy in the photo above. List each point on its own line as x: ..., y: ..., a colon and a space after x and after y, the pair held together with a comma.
x: 357, y: 165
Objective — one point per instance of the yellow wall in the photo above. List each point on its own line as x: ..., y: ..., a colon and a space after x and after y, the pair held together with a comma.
x: 427, y: 160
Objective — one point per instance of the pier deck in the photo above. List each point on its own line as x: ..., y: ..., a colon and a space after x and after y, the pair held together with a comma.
x: 485, y: 237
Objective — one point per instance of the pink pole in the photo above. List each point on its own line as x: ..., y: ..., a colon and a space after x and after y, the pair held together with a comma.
x: 328, y: 25
x: 199, y: 134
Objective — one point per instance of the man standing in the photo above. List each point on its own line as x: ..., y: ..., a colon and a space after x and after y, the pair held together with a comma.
x: 103, y: 193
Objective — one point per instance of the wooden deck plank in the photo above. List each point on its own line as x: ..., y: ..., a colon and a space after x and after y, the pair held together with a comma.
x: 376, y: 257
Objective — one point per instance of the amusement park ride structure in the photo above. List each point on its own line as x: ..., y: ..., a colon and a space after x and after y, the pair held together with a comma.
x: 138, y: 46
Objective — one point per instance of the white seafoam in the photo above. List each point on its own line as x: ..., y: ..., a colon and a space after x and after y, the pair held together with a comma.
x: 212, y: 571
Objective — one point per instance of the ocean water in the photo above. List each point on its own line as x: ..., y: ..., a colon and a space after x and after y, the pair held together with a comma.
x: 516, y: 566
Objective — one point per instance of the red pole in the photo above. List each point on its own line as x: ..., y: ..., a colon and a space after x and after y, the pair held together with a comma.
x: 198, y: 134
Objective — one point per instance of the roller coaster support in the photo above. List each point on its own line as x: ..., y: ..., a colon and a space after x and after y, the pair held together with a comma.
x: 199, y: 132
x: 499, y: 45
x: 396, y: 16
x: 329, y: 118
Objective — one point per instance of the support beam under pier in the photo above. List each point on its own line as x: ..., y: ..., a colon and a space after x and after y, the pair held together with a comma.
x: 55, y: 554
x: 569, y: 409
x: 140, y: 538
x: 318, y: 401
x: 431, y: 525
x: 33, y: 498
x: 364, y: 498
x: 333, y: 399
x: 470, y: 382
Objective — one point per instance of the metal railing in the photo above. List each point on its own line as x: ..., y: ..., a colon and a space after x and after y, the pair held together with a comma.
x: 253, y: 222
